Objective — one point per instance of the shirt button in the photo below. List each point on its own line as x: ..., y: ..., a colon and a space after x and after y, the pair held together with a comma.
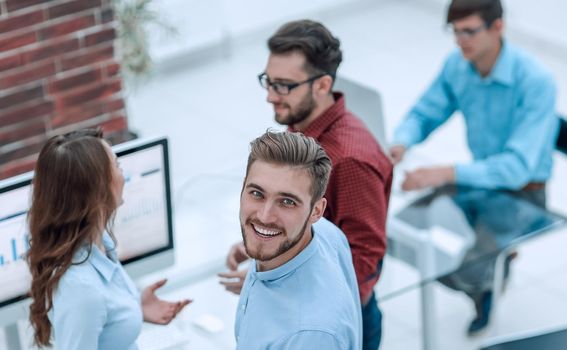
x: 243, y: 307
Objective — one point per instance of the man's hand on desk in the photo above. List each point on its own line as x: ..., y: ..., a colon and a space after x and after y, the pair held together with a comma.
x: 236, y: 255
x: 397, y: 153
x: 234, y: 279
x: 428, y: 177
x: 159, y: 311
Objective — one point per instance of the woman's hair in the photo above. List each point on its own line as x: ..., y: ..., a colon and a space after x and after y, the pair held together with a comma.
x: 71, y: 205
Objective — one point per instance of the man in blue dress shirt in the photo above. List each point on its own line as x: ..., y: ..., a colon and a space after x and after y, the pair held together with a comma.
x: 507, y: 99
x: 300, y: 291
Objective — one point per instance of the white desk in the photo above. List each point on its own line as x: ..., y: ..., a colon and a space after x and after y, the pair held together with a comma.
x: 484, y: 224
x: 206, y: 225
x: 209, y: 298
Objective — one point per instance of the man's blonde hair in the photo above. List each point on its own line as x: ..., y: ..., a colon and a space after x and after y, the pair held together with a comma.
x: 295, y: 150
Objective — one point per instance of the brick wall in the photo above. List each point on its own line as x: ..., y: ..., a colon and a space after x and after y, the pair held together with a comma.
x: 57, y: 73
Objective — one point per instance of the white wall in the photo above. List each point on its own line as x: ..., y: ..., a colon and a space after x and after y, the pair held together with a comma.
x: 207, y: 24
x: 203, y: 24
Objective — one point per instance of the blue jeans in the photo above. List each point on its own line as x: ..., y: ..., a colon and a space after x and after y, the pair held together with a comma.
x: 371, y: 324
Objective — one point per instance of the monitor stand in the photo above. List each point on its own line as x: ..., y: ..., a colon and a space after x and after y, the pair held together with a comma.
x: 12, y: 336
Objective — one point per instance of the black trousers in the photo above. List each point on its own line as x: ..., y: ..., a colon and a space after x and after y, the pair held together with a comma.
x: 561, y: 144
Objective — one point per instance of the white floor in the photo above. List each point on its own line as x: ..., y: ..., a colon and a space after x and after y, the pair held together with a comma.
x: 211, y: 112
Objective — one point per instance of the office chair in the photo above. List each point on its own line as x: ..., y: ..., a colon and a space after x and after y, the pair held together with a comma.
x: 541, y: 339
x: 561, y: 144
x: 366, y: 103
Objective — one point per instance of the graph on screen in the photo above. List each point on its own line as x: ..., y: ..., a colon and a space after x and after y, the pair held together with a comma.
x: 141, y: 223
x: 13, y: 243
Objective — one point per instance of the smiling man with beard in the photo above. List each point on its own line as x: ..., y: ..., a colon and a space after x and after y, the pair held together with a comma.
x: 300, y: 291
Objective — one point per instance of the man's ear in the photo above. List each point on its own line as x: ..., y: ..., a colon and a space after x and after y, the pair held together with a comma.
x: 318, y: 210
x: 323, y: 85
x: 498, y: 26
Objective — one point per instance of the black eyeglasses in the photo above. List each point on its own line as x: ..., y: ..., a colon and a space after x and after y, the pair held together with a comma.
x: 467, y: 33
x: 282, y: 88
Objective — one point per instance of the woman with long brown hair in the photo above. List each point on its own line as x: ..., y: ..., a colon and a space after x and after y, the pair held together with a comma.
x: 81, y: 294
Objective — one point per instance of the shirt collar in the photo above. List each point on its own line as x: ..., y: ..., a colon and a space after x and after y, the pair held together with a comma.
x: 326, y: 119
x: 288, y: 267
x: 503, y: 70
x: 105, y: 264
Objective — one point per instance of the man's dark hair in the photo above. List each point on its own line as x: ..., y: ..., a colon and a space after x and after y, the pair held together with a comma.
x: 488, y: 10
x: 321, y: 49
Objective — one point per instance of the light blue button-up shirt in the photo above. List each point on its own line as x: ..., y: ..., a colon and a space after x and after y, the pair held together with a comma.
x: 96, y: 305
x: 510, y: 118
x: 310, y: 302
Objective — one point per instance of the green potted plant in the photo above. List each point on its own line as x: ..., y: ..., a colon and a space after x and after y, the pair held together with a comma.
x: 134, y: 17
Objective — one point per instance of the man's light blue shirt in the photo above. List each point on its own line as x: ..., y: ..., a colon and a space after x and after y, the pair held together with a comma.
x: 310, y: 302
x: 510, y: 118
x: 96, y: 305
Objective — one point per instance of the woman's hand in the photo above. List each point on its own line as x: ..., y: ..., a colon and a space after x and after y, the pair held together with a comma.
x: 159, y: 311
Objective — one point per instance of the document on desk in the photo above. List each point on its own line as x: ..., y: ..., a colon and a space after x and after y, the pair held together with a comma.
x: 158, y: 337
x: 447, y: 241
x: 209, y: 323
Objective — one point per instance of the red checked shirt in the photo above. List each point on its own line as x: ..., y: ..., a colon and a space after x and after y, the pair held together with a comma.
x: 358, y: 190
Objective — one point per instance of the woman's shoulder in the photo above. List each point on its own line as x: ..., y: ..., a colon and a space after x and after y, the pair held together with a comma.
x: 80, y: 281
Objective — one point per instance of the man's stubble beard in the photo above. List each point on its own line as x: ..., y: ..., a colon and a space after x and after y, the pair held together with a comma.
x: 284, y: 246
x: 303, y: 111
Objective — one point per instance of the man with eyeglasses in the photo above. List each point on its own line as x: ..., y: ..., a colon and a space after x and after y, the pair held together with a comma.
x: 508, y: 102
x: 299, y: 77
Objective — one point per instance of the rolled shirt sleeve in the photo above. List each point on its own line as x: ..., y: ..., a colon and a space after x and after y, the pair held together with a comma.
x: 433, y: 109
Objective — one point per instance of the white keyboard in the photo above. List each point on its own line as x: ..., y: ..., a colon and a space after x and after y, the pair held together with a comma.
x: 155, y: 337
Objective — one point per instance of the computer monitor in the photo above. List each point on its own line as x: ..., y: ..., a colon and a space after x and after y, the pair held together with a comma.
x: 143, y: 224
x: 14, y: 273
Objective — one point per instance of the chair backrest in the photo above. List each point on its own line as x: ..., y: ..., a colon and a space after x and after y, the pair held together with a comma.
x: 561, y: 143
x: 366, y: 103
x: 554, y: 339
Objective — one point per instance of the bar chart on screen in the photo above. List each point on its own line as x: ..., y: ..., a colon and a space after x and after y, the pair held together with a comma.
x: 14, y: 241
x: 142, y: 216
x: 14, y: 238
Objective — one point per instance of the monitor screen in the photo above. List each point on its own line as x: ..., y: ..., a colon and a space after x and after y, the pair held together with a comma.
x: 14, y: 274
x: 143, y: 224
